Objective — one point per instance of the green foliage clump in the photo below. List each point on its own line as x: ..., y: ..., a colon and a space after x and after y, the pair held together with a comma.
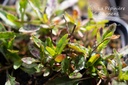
x: 41, y: 44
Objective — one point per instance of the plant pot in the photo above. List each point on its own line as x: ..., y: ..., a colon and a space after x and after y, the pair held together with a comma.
x: 122, y: 30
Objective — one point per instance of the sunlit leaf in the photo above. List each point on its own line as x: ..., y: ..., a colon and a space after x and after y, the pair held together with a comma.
x: 111, y: 29
x: 90, y: 14
x: 13, y: 51
x: 110, y: 56
x: 7, y: 35
x: 90, y: 27
x: 60, y: 58
x: 45, y: 18
x: 10, y: 44
x: 9, y: 19
x: 102, y: 22
x: 103, y: 45
x: 61, y: 44
x: 36, y: 10
x: 50, y: 51
x: 37, y: 41
x: 98, y: 37
x: 70, y: 18
x: 75, y: 75
x: 93, y: 59
x: 77, y: 48
x: 13, y: 19
x: 37, y: 3
x: 23, y: 5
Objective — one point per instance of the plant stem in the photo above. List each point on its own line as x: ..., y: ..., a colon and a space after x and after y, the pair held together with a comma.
x: 66, y: 22
x: 72, y: 31
x: 99, y: 45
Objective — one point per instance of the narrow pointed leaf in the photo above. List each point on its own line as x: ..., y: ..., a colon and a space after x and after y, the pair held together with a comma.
x: 7, y: 35
x: 50, y: 51
x: 61, y: 44
x: 60, y: 58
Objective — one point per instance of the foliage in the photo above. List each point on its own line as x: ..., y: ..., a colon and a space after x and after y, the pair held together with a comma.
x: 37, y: 42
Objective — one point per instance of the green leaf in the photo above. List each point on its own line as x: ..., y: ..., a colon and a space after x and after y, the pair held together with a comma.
x: 23, y: 5
x: 10, y: 44
x: 79, y: 63
x: 49, y: 42
x: 111, y: 29
x: 50, y: 51
x: 75, y: 75
x: 7, y: 35
x: 124, y: 76
x: 70, y: 18
x: 2, y: 28
x: 13, y: 19
x: 77, y: 48
x: 98, y: 36
x: 36, y: 10
x: 37, y: 3
x: 39, y: 68
x: 119, y: 64
x: 61, y: 44
x: 29, y: 70
x: 90, y: 14
x: 3, y: 16
x: 17, y: 64
x: 103, y: 45
x: 13, y: 51
x: 109, y: 56
x: 45, y: 18
x: 11, y: 80
x: 93, y: 59
x: 65, y: 65
x: 37, y: 41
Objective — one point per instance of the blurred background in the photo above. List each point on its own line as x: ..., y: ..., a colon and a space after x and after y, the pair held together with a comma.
x: 101, y: 8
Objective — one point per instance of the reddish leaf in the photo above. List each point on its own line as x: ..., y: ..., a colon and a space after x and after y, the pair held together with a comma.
x: 60, y: 58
